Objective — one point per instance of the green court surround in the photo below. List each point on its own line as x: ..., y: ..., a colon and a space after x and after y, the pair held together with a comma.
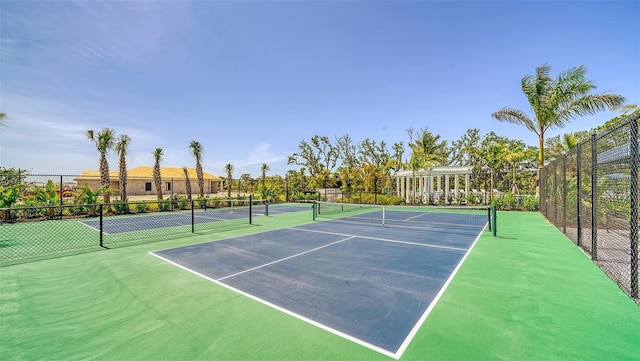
x: 528, y: 294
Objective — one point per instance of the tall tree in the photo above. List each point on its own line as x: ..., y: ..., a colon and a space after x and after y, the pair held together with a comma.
x: 429, y: 146
x: 374, y: 158
x: 157, y: 176
x: 122, y: 147
x: 555, y: 102
x: 196, y: 150
x: 229, y: 169
x: 264, y: 169
x: 104, y: 141
x: 187, y: 182
x: 319, y: 157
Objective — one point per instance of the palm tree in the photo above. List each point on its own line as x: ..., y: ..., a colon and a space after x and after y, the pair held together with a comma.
x: 196, y: 150
x: 555, y: 102
x: 428, y: 146
x: 121, y: 148
x: 187, y: 182
x: 415, y: 163
x: 265, y: 169
x: 494, y: 156
x: 229, y: 169
x: 104, y: 142
x: 157, y: 177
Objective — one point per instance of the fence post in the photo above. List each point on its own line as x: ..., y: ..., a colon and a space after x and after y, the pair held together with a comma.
x: 564, y: 193
x: 635, y: 197
x: 555, y: 192
x: 578, y: 195
x: 101, y: 229
x: 60, y: 197
x: 250, y: 208
x: 193, y: 217
x: 594, y: 198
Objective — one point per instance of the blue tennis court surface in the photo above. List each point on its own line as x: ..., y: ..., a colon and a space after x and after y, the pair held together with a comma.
x: 147, y: 221
x: 371, y: 284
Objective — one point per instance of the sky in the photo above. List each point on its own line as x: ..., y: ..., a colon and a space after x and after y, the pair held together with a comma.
x: 250, y: 80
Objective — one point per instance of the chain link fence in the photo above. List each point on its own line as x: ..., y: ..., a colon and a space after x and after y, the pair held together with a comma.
x: 592, y: 195
x: 29, y: 233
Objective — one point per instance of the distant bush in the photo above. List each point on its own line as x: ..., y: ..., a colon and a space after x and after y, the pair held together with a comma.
x: 531, y: 203
x: 120, y: 206
x: 164, y: 205
x: 507, y: 202
x: 142, y: 207
x: 183, y: 202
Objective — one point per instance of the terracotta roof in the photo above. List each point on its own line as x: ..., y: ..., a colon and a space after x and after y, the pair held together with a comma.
x: 147, y: 172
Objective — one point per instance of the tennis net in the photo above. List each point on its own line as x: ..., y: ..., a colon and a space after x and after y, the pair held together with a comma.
x: 471, y: 218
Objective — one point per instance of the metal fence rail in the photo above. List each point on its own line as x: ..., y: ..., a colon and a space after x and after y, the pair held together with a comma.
x: 31, y: 233
x: 592, y: 195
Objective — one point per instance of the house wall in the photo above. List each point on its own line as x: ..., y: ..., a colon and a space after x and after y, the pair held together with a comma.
x: 138, y: 186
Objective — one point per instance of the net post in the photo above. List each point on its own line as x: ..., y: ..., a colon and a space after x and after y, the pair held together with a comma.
x: 383, y: 215
x: 250, y: 208
x: 193, y: 218
x: 313, y: 211
x: 489, y: 218
x: 266, y: 208
x: 494, y: 222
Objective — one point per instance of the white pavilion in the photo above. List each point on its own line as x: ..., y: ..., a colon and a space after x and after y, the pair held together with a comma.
x: 432, y: 183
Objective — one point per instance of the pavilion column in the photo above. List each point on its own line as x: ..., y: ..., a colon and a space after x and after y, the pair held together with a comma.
x: 399, y: 194
x: 439, y: 181
x: 446, y: 187
x: 466, y: 185
x: 407, y: 188
x: 456, y: 186
x: 420, y: 187
x: 403, y: 185
x: 431, y: 186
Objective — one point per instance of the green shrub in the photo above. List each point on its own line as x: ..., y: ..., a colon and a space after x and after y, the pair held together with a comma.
x: 164, y: 205
x: 183, y: 202
x: 121, y: 207
x: 507, y: 202
x: 77, y: 209
x: 142, y: 207
x: 531, y: 203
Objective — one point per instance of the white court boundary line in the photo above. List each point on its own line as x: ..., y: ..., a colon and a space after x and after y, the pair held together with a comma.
x: 395, y: 355
x: 383, y: 239
x: 435, y: 300
x: 286, y: 311
x: 286, y: 258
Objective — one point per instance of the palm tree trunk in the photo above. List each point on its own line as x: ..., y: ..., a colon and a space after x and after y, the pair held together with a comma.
x: 123, y: 179
x: 200, y: 178
x: 187, y: 182
x: 158, y: 182
x: 104, y: 176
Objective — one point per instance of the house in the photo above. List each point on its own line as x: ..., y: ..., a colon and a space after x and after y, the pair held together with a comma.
x: 140, y: 181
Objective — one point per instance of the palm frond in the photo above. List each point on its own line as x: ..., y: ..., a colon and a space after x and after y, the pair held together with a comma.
x: 515, y: 116
x: 587, y: 104
x: 123, y: 145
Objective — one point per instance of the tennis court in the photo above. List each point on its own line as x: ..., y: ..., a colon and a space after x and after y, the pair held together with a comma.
x: 369, y: 283
x: 527, y: 294
x: 144, y: 222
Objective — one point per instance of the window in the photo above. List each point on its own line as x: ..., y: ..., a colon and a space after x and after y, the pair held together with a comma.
x: 147, y: 186
x: 169, y: 186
